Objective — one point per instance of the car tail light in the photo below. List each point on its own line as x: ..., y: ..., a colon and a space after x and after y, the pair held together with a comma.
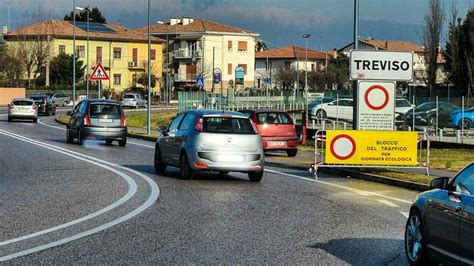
x: 87, y: 121
x: 44, y: 101
x: 200, y: 165
x: 199, y: 125
x: 124, y: 122
x: 35, y: 107
x: 11, y: 106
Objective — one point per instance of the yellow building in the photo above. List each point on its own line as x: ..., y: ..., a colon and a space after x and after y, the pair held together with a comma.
x: 123, y: 52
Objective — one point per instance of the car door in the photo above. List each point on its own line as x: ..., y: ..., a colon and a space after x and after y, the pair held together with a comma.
x: 181, y: 137
x: 299, y: 118
x: 166, y: 141
x: 346, y: 108
x: 331, y: 109
x: 464, y: 183
x: 73, y: 122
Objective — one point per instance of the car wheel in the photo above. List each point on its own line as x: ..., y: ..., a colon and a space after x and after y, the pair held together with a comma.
x: 137, y: 106
x: 321, y: 114
x: 35, y: 120
x: 123, y: 142
x: 49, y: 113
x: 160, y: 167
x: 415, y: 246
x: 69, y: 138
x: 80, y: 140
x: 185, y: 171
x: 255, y: 176
x: 65, y: 103
x: 108, y: 142
x: 292, y: 153
x: 467, y: 124
x: 9, y: 119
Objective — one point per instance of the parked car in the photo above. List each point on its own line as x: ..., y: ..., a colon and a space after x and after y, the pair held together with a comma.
x: 440, y: 225
x: 133, y: 100
x: 455, y: 118
x: 215, y: 99
x: 210, y: 140
x: 342, y: 109
x: 21, y: 108
x: 315, y: 102
x: 45, y: 104
x: 278, y: 129
x: 402, y: 106
x: 425, y: 114
x: 60, y: 99
x: 97, y: 119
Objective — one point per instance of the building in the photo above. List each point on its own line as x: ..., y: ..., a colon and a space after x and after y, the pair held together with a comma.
x: 123, y: 52
x: 298, y: 58
x: 197, y: 46
x: 419, y: 62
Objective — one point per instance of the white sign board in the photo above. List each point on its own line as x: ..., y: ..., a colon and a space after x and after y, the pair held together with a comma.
x: 376, y: 105
x: 381, y: 65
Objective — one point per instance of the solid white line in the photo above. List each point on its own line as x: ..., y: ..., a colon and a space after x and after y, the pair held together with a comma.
x: 358, y: 191
x: 62, y: 128
x: 155, y: 192
x: 386, y: 202
x: 132, y: 189
x: 406, y: 214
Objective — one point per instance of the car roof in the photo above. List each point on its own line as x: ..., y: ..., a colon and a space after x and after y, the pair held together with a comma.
x: 22, y: 99
x: 102, y: 101
x: 40, y: 95
x: 262, y: 110
x: 214, y: 112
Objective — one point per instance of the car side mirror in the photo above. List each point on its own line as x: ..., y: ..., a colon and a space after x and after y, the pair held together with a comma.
x: 69, y: 113
x: 163, y: 130
x: 439, y: 182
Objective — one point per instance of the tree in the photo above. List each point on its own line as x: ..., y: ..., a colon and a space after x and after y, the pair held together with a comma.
x: 61, y: 69
x: 260, y: 46
x: 11, y: 70
x: 95, y: 16
x: 285, y: 77
x: 433, y: 25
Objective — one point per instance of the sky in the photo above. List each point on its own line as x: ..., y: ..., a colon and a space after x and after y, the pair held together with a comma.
x: 280, y: 23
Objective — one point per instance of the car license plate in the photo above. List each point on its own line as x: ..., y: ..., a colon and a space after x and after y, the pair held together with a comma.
x: 229, y: 158
x: 106, y: 120
x: 277, y: 143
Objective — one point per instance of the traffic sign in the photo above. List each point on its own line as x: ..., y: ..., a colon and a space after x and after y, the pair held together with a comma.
x: 239, y: 75
x: 376, y: 105
x: 382, y: 148
x: 381, y: 65
x: 99, y: 73
x: 266, y: 80
x: 217, y: 76
x: 199, y: 81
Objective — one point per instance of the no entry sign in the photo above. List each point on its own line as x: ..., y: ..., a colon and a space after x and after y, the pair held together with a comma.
x: 381, y: 65
x: 376, y: 105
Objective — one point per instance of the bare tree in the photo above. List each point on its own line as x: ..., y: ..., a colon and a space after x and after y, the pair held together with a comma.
x: 433, y: 24
x: 285, y: 77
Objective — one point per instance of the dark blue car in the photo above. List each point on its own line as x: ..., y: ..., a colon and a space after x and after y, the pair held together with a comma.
x: 455, y: 118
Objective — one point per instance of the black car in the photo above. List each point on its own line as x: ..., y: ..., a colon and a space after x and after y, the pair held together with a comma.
x: 45, y: 104
x: 425, y: 114
x: 97, y: 119
x: 440, y: 226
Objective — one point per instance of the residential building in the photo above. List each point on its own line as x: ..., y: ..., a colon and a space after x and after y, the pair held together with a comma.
x: 123, y: 52
x: 419, y: 62
x: 196, y: 46
x: 267, y: 62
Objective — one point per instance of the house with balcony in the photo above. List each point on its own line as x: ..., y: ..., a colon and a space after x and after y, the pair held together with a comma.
x: 122, y: 51
x: 295, y: 57
x: 197, y: 46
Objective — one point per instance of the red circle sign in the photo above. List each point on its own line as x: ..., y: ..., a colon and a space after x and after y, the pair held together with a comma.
x: 374, y: 107
x: 336, y: 147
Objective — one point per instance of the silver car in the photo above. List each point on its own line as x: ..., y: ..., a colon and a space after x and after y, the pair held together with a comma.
x: 22, y: 108
x: 210, y: 140
x: 133, y: 100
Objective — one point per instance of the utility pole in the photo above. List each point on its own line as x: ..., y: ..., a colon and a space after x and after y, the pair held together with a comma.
x: 8, y: 21
x: 306, y: 37
x: 73, y: 54
x: 213, y: 54
x: 354, y: 83
x: 148, y: 124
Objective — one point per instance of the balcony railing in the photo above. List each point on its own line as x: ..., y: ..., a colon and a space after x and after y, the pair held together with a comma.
x: 187, y: 53
x: 189, y: 77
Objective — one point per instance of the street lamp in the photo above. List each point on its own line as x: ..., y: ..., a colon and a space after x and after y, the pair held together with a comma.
x: 306, y: 37
x: 148, y: 128
x: 73, y: 54
x: 87, y: 9
x: 8, y: 21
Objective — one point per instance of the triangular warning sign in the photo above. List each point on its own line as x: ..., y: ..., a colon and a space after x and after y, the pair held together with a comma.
x: 199, y: 82
x: 99, y: 73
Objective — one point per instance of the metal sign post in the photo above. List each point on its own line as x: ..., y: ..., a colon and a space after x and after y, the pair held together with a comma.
x: 99, y: 74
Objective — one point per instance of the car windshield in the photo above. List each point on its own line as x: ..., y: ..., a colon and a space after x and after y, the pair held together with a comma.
x: 22, y: 103
x: 273, y: 118
x: 38, y: 98
x: 425, y: 107
x: 403, y: 103
x: 129, y: 96
x: 228, y: 125
x: 99, y: 110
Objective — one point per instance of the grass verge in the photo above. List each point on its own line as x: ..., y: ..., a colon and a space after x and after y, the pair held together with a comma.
x: 157, y: 119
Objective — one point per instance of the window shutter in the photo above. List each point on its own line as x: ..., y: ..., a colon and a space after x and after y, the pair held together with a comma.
x: 229, y: 69
x: 242, y: 46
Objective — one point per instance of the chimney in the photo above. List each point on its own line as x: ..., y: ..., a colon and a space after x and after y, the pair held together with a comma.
x: 187, y: 20
x: 4, y: 29
x: 386, y: 45
x: 174, y: 21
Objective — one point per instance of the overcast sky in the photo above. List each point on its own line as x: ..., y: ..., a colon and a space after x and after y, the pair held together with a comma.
x: 280, y: 23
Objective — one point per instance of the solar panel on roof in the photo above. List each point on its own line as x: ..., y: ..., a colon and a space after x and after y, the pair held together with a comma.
x: 94, y: 27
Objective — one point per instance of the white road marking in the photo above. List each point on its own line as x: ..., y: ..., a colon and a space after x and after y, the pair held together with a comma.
x: 62, y: 128
x: 155, y: 192
x: 406, y: 214
x: 386, y: 202
x: 359, y: 191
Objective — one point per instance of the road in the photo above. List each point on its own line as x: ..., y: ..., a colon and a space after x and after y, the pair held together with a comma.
x: 64, y: 203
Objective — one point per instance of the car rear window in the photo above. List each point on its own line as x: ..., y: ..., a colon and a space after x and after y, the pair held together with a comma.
x: 128, y: 96
x: 402, y: 103
x: 228, y: 125
x: 100, y: 110
x: 37, y: 98
x: 273, y: 118
x: 22, y: 103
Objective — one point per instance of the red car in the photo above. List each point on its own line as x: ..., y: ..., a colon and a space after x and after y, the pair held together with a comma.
x: 278, y: 129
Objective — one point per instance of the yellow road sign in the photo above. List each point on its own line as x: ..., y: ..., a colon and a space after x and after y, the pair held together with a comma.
x: 371, y: 147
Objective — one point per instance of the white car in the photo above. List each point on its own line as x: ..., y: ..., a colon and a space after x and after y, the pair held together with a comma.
x: 337, y: 109
x: 133, y: 100
x: 402, y: 106
x: 21, y: 108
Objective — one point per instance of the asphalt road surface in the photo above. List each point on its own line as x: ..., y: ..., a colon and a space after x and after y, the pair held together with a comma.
x: 64, y: 203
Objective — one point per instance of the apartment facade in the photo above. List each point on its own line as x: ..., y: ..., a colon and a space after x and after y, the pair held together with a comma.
x: 121, y: 51
x: 197, y: 47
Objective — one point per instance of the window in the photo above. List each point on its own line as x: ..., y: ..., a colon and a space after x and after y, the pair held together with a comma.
x: 274, y: 118
x: 244, y: 66
x: 135, y: 56
x: 80, y: 51
x: 62, y: 49
x: 287, y: 65
x: 242, y: 46
x: 99, y: 54
x: 117, y: 79
x: 102, y: 110
x: 229, y: 46
x: 188, y: 122
x: 228, y: 125
x: 464, y: 182
x: 175, y: 123
x: 229, y: 69
x: 117, y: 53
x: 153, y: 54
x: 313, y: 67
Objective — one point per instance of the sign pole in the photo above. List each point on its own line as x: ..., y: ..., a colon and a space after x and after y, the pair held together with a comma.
x: 354, y: 82
x: 100, y: 88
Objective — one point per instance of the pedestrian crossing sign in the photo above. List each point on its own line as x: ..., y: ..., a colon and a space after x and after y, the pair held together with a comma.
x: 199, y: 81
x: 99, y: 73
